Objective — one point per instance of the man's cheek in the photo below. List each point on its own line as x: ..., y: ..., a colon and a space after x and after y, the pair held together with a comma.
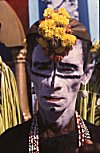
x: 37, y: 83
x: 75, y: 87
x: 36, y: 79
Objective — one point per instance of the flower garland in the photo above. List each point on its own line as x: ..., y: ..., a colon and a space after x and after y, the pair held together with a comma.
x: 83, y: 134
x: 55, y: 34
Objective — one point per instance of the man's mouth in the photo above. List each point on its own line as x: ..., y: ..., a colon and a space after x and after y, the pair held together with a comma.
x: 53, y: 98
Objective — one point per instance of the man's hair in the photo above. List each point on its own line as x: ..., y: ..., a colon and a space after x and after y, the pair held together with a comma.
x: 87, y: 54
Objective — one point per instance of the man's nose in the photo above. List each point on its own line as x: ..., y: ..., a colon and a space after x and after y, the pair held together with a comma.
x: 53, y: 76
x: 55, y: 85
x: 54, y: 80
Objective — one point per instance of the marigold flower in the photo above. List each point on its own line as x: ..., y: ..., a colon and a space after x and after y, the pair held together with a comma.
x: 62, y: 11
x: 54, y: 31
x: 42, y: 42
x: 48, y: 12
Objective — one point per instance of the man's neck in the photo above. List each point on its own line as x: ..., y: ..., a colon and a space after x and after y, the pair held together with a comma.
x: 62, y: 126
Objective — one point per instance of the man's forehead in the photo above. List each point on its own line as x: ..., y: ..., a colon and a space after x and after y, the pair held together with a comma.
x: 39, y: 54
x: 74, y: 55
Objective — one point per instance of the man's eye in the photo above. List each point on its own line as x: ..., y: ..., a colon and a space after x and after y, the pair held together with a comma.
x: 67, y: 69
x: 44, y: 67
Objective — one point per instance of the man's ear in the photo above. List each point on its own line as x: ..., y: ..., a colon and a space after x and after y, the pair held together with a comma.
x: 87, y: 74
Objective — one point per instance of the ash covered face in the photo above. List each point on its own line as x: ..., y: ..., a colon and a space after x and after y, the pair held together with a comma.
x: 57, y: 84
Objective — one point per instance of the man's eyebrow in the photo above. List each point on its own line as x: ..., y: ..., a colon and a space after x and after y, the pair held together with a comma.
x: 36, y: 63
x: 68, y: 64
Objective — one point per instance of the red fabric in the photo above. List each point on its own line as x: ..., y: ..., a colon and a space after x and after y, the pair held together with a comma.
x: 21, y: 9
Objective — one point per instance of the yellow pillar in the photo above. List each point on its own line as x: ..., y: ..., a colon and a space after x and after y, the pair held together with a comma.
x: 20, y: 74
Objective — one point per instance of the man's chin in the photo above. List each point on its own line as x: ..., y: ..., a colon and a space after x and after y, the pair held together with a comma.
x: 53, y: 111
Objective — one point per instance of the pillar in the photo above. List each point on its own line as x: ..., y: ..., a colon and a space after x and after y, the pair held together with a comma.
x: 19, y: 57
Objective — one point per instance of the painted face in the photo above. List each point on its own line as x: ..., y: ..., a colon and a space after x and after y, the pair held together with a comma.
x: 57, y: 84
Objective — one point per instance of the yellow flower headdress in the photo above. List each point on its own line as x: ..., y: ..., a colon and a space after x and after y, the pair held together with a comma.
x: 56, y: 33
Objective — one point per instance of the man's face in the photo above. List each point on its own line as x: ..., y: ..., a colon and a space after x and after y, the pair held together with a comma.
x: 57, y: 85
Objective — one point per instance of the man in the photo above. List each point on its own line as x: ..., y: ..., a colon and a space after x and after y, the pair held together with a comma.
x: 58, y: 49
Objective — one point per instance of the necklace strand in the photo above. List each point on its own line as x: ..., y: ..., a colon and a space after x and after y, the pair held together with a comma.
x: 34, y: 136
x: 83, y: 133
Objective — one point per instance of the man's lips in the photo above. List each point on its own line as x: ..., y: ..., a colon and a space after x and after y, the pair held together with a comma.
x: 53, y: 98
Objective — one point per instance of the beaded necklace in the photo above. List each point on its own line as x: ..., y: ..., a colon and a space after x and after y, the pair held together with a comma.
x: 34, y: 136
x: 83, y: 133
